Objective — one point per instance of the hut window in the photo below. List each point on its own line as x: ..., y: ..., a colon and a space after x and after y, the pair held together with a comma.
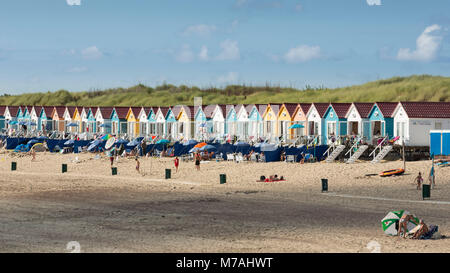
x: 438, y: 125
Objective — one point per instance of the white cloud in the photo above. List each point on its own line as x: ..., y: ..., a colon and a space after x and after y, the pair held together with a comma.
x: 185, y: 55
x: 91, y: 53
x: 302, y: 53
x: 230, y: 51
x: 231, y: 77
x: 203, y: 55
x: 200, y: 30
x: 374, y: 2
x: 73, y: 2
x: 427, y: 46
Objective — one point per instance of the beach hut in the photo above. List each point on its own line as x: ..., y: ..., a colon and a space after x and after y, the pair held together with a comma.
x: 103, y: 120
x: 91, y: 121
x: 203, y: 123
x: 186, y: 124
x: 358, y: 122
x: 119, y: 122
x: 143, y: 121
x: 45, y: 124
x: 314, y: 118
x: 230, y: 122
x: 160, y: 119
x: 256, y: 120
x: 285, y: 120
x: 151, y: 118
x: 10, y: 116
x: 84, y: 121
x: 76, y: 118
x: 172, y: 122
x: 381, y: 121
x: 413, y: 121
x: 270, y: 121
x: 218, y: 120
x: 242, y: 122
x: 34, y: 119
x: 299, y: 117
x: 132, y: 118
x: 69, y: 118
x: 2, y: 117
x: 58, y: 120
x: 334, y: 122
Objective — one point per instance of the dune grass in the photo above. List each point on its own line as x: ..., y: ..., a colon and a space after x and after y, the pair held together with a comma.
x: 413, y: 88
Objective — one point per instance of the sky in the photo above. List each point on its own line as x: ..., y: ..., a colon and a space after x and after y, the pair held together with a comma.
x: 83, y: 45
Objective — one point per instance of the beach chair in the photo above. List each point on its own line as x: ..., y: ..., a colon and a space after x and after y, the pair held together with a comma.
x: 219, y: 156
x: 239, y: 158
x: 230, y: 157
x: 262, y: 158
x: 253, y: 157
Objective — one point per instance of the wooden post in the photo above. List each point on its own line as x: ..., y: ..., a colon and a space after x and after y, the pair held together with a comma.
x: 404, y: 161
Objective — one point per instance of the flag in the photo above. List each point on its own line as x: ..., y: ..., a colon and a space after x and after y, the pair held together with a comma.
x: 432, y: 176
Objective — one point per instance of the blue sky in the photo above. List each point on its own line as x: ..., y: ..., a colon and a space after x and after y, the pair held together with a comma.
x: 80, y: 45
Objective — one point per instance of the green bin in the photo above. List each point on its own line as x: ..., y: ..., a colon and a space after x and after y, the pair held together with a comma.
x: 425, y: 191
x: 64, y: 168
x: 13, y: 166
x: 114, y: 170
x: 168, y: 172
x: 223, y: 179
x: 324, y: 185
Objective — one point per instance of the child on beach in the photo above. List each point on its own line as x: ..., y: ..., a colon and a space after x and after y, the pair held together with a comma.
x: 137, y: 165
x: 419, y: 181
x: 177, y: 162
x: 197, y: 158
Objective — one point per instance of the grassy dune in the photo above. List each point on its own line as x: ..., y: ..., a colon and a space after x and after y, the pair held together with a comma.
x: 413, y: 88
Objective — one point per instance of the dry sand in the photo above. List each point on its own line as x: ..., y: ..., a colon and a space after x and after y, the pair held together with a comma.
x: 41, y: 209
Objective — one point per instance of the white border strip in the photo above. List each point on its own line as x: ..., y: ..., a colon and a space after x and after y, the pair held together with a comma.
x: 388, y: 199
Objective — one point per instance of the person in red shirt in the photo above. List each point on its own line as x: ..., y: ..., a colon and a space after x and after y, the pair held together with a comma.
x: 177, y: 162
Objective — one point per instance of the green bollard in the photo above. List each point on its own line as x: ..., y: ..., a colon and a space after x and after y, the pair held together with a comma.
x: 223, y: 179
x: 64, y: 168
x: 168, y: 173
x: 114, y: 170
x: 13, y: 166
x: 324, y: 185
x: 426, y: 192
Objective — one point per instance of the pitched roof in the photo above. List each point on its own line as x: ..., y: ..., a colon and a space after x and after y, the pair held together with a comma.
x: 122, y: 111
x: 47, y: 110
x: 321, y: 108
x: 223, y: 107
x: 427, y: 109
x: 275, y: 107
x: 305, y: 107
x: 71, y: 110
x: 387, y: 108
x: 105, y: 111
x: 363, y: 108
x: 2, y: 110
x: 291, y: 107
x: 13, y: 110
x: 176, y: 110
x: 209, y: 110
x: 261, y: 108
x: 60, y: 110
x: 341, y: 109
x: 135, y: 111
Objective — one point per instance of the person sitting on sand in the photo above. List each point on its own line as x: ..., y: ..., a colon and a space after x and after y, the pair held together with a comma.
x: 177, y: 162
x: 422, y: 229
x: 419, y: 181
x: 403, y: 224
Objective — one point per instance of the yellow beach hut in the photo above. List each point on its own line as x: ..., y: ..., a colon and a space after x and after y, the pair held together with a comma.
x: 133, y: 121
x: 270, y: 121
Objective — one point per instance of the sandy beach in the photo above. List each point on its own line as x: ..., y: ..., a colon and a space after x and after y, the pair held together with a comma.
x: 42, y: 209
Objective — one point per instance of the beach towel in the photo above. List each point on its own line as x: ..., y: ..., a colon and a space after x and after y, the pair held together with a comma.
x: 431, y: 231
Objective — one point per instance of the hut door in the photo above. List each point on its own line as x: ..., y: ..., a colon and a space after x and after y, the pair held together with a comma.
x: 366, y: 130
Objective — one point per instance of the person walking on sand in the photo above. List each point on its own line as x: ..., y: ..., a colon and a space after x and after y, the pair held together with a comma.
x: 419, y: 181
x: 197, y: 161
x: 137, y: 165
x: 403, y: 224
x: 33, y: 153
x: 177, y: 162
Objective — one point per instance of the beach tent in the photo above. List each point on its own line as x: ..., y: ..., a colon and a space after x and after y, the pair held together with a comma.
x: 39, y: 147
x: 389, y: 222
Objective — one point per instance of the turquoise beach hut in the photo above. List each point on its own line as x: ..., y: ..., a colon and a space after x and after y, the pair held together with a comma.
x: 381, y: 122
x: 334, y: 122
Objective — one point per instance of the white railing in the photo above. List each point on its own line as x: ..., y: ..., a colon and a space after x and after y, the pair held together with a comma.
x: 379, y: 146
x: 355, y: 145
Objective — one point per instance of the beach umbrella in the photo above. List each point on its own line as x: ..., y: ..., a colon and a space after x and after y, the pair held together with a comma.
x: 106, y: 137
x: 22, y: 123
x: 121, y: 141
x: 69, y: 142
x: 266, y: 147
x: 241, y: 144
x: 72, y: 124
x: 190, y: 142
x: 12, y: 122
x: 207, y: 148
x: 33, y: 141
x: 162, y: 141
x: 42, y: 138
x: 133, y: 143
x: 201, y: 144
x: 39, y: 147
x: 389, y: 222
x: 295, y: 126
x: 193, y: 150
x: 104, y: 125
